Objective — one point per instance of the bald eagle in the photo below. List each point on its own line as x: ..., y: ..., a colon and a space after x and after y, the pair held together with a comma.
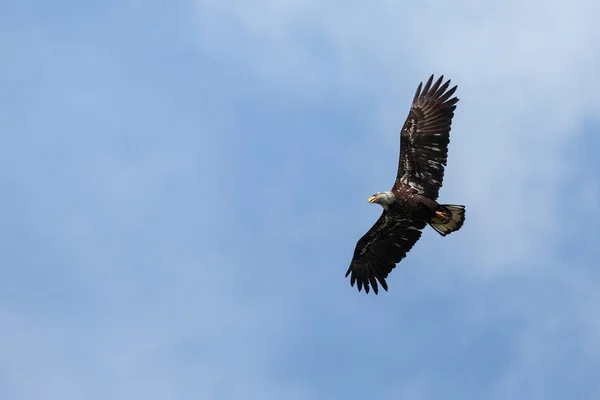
x: 411, y: 204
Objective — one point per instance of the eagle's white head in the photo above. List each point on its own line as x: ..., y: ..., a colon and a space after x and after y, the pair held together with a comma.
x: 384, y: 199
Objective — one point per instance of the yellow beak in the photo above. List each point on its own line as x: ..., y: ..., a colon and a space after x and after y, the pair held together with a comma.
x: 372, y: 199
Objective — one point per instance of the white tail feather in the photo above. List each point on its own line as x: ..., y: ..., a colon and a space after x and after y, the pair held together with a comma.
x: 455, y: 219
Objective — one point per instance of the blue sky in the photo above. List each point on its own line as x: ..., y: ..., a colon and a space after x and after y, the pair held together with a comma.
x: 184, y: 184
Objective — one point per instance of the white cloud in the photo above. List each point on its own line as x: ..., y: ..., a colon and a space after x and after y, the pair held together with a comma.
x: 525, y: 72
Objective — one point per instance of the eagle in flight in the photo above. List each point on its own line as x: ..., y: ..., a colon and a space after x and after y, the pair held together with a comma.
x: 411, y: 204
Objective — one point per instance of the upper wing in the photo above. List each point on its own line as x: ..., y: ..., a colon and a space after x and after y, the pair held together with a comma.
x: 424, y: 138
x: 380, y: 249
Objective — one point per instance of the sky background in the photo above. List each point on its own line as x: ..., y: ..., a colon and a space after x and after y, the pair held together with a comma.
x: 183, y: 184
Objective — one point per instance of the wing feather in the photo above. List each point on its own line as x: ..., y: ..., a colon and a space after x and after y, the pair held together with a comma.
x: 380, y: 249
x: 425, y: 137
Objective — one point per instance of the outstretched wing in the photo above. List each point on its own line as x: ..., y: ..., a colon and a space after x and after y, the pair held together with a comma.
x: 380, y: 249
x: 424, y: 138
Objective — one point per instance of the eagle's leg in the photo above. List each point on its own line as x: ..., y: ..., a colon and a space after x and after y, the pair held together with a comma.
x: 441, y: 217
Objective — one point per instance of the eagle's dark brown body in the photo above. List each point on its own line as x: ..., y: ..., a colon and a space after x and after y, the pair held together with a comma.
x: 411, y: 204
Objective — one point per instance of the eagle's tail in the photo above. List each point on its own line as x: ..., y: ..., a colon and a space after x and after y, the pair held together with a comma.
x: 449, y: 218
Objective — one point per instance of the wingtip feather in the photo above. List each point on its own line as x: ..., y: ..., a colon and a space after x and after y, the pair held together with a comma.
x: 427, y: 85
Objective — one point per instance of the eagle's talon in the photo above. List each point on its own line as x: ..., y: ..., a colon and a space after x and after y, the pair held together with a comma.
x: 440, y: 218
